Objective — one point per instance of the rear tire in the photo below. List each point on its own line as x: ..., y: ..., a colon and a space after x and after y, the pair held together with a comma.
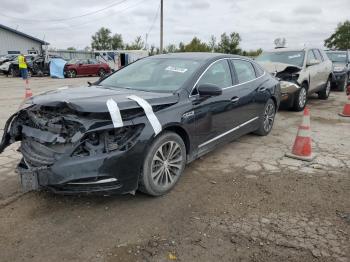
x: 101, y: 72
x: 324, y: 93
x: 267, y: 119
x: 163, y: 165
x: 300, y: 98
x: 71, y: 73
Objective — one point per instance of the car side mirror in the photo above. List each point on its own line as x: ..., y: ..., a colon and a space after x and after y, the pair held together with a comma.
x: 312, y: 62
x: 208, y: 90
x: 80, y: 64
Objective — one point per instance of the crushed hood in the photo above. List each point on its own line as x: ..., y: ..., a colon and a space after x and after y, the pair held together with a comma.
x: 94, y: 98
x: 273, y: 67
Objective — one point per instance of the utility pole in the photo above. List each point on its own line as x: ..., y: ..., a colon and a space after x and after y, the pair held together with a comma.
x: 161, y: 27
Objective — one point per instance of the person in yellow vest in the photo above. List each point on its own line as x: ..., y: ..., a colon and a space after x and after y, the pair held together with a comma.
x: 23, y: 68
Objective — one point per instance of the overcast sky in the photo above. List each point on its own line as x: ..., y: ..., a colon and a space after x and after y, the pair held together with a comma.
x: 258, y: 22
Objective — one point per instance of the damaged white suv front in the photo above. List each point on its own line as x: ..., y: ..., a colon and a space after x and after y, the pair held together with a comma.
x: 301, y: 72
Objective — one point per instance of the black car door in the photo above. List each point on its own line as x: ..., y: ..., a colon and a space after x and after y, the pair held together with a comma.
x: 252, y: 93
x: 214, y: 117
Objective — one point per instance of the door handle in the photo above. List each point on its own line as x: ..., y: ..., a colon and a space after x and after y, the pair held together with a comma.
x: 235, y: 99
x: 262, y: 89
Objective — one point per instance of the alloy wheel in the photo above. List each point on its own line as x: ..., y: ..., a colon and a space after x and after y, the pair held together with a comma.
x: 269, y: 116
x: 101, y: 73
x: 71, y: 73
x: 302, y: 97
x: 166, y: 164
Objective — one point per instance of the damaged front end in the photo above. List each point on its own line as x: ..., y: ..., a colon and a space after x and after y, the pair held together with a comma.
x: 74, y: 152
x: 288, y: 75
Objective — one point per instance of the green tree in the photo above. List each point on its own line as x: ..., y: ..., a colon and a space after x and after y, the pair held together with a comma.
x: 102, y: 40
x: 340, y: 39
x: 229, y: 44
x: 252, y: 53
x: 171, y: 48
x: 152, y: 50
x: 117, y: 42
x: 136, y: 45
x: 212, y: 43
x: 196, y: 45
x: 181, y: 47
x: 71, y: 48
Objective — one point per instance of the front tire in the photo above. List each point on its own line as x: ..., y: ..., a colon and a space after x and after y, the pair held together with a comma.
x: 163, y: 165
x: 300, y: 98
x: 267, y: 119
x: 324, y: 93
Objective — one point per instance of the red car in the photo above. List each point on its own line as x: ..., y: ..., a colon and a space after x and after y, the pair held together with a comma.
x: 85, y: 67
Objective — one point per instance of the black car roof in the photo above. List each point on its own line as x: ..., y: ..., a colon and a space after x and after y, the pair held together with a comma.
x: 200, y: 56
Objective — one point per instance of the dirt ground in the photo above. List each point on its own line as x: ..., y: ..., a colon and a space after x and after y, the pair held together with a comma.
x: 243, y: 202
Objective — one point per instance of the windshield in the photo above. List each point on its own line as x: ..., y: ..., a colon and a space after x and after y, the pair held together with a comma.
x: 339, y: 57
x: 287, y: 57
x: 153, y: 74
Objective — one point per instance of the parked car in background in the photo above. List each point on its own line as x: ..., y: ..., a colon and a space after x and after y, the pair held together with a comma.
x: 38, y: 65
x: 11, y: 68
x: 81, y: 67
x: 341, y: 68
x: 302, y: 72
x: 140, y: 126
x: 7, y: 58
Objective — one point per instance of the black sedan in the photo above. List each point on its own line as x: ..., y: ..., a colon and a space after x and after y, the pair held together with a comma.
x: 137, y: 128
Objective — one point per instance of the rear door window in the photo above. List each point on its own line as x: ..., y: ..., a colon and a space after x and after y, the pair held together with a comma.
x: 258, y: 70
x: 244, y: 70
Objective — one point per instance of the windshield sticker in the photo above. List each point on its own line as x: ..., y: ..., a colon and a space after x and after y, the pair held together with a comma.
x: 341, y: 55
x: 294, y: 56
x: 176, y: 69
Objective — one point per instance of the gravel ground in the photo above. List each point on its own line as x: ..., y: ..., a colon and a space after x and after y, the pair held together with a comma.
x: 243, y: 202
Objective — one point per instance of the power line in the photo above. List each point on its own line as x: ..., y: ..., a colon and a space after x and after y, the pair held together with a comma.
x: 102, y: 18
x: 67, y: 18
x: 154, y: 20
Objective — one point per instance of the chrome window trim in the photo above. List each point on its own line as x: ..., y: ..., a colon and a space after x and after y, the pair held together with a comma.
x: 228, y: 132
x: 226, y: 58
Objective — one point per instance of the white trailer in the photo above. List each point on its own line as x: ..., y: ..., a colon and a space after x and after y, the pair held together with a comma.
x: 119, y: 58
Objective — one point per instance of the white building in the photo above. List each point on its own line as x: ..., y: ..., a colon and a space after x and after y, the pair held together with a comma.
x: 16, y: 42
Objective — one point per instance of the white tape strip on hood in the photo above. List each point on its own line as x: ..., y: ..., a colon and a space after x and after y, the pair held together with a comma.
x: 157, y: 127
x: 115, y: 113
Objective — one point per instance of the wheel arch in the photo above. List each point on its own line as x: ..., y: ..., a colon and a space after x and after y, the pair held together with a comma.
x: 182, y: 133
x: 305, y: 82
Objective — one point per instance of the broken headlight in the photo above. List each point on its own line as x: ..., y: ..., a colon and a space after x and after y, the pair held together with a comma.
x: 108, y: 140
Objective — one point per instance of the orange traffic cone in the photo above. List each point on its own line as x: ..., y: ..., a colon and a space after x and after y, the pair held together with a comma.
x: 302, y: 149
x: 28, y: 92
x: 346, y: 110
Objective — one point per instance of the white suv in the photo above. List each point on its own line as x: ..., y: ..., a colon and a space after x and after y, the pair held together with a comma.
x: 302, y: 72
